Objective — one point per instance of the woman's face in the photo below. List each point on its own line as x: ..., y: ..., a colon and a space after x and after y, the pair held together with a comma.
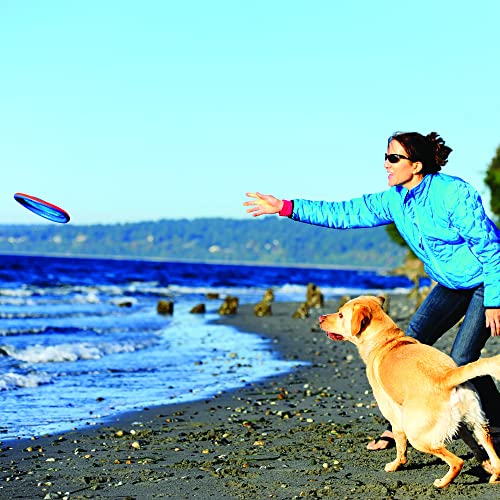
x: 405, y: 172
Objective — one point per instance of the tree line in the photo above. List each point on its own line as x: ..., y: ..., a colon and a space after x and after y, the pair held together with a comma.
x: 269, y: 240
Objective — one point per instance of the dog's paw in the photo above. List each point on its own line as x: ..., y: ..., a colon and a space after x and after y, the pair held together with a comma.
x: 486, y: 465
x: 441, y: 483
x: 392, y: 466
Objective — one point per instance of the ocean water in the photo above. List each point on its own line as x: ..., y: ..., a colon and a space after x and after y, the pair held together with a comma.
x: 80, y: 339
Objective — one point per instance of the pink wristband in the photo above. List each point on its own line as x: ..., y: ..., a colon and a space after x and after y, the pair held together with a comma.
x: 287, y: 209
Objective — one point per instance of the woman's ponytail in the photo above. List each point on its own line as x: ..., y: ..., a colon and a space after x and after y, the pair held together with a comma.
x: 441, y: 150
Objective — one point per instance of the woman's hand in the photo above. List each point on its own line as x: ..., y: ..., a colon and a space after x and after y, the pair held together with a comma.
x: 263, y: 204
x: 493, y: 321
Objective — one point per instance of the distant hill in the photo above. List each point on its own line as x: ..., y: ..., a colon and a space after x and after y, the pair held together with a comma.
x: 269, y: 240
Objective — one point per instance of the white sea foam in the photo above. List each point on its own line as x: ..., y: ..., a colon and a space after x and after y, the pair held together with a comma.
x: 203, y: 290
x: 71, y: 352
x: 91, y: 297
x: 17, y: 380
x: 15, y: 292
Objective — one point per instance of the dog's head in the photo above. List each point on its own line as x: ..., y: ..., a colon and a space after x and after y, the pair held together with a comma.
x: 352, y: 319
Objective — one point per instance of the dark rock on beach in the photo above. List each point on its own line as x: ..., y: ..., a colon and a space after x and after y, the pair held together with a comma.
x: 268, y: 295
x: 302, y: 312
x: 198, y: 309
x: 263, y: 309
x: 314, y: 296
x: 165, y: 307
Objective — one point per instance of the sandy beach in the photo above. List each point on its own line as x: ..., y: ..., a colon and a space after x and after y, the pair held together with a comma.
x: 302, y: 435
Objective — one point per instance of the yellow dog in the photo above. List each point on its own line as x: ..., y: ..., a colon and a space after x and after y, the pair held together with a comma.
x: 419, y: 389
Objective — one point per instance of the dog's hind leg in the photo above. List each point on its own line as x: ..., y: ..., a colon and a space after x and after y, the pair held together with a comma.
x: 474, y: 417
x: 492, y: 466
x: 401, y: 446
x: 452, y: 460
x: 468, y: 438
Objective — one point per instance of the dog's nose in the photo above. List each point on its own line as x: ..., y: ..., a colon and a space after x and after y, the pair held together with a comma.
x: 322, y: 318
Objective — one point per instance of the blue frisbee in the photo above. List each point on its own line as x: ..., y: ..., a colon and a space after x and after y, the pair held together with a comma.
x: 42, y: 208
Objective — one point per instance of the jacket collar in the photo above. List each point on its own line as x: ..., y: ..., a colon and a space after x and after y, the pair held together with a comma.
x: 417, y: 192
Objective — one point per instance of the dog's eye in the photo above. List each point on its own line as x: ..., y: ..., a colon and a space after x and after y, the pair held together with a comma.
x: 340, y: 315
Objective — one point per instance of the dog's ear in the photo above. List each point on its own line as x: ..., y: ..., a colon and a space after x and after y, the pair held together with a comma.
x: 381, y: 300
x: 361, y: 316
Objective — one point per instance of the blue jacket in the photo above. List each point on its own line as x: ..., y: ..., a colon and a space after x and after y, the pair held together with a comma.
x: 443, y: 221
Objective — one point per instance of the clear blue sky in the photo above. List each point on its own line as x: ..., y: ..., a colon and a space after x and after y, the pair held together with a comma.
x: 125, y: 110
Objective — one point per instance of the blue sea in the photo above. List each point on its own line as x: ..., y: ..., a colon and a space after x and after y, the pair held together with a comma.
x: 81, y: 340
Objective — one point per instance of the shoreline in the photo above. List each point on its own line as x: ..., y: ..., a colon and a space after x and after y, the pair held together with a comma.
x: 302, y: 434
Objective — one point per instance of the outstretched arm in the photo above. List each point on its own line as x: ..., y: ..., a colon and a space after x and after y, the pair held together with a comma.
x: 263, y: 204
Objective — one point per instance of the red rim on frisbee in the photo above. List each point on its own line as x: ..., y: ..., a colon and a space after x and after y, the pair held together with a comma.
x: 42, y: 208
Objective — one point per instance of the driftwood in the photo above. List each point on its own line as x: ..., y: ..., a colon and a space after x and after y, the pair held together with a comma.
x: 229, y: 306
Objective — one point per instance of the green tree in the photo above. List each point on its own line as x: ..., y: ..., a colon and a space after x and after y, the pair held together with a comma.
x: 492, y: 180
x: 395, y: 236
x: 393, y: 233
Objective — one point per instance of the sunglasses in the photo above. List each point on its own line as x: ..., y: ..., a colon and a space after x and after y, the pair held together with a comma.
x: 394, y: 158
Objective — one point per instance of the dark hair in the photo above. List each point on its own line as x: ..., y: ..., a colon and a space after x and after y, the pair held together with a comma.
x: 429, y: 149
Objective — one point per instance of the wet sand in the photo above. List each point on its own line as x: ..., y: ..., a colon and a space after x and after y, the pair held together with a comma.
x: 301, y: 435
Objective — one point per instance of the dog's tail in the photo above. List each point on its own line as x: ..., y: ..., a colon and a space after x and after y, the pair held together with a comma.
x: 483, y: 366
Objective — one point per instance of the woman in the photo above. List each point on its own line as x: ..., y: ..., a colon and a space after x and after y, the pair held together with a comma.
x: 444, y: 223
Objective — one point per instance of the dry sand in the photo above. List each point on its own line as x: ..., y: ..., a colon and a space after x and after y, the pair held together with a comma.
x: 302, y: 435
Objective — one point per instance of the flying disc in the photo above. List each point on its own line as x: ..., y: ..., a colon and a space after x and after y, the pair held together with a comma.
x: 42, y: 208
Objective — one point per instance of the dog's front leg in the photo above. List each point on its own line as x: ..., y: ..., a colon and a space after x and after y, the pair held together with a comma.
x: 401, y: 445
